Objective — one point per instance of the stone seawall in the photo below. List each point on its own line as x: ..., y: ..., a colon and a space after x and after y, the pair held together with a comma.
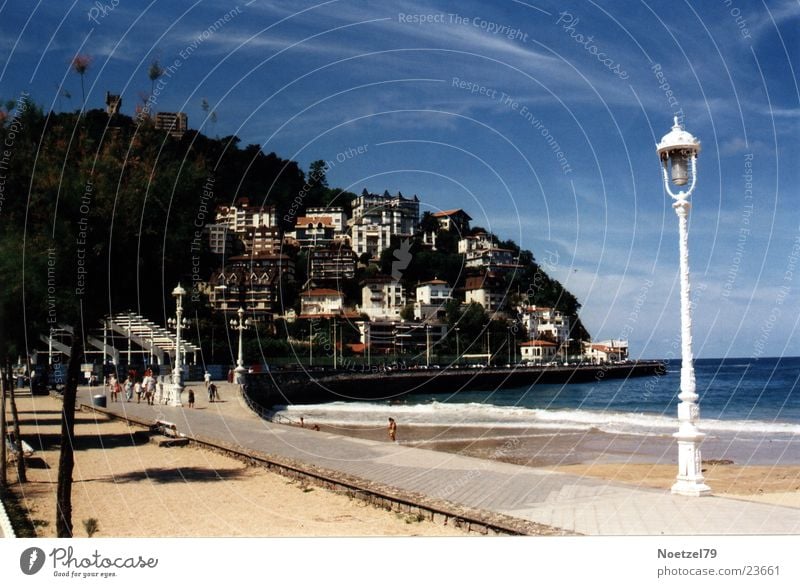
x: 319, y: 386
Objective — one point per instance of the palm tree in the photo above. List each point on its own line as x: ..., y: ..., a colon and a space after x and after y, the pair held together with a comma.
x: 155, y: 72
x: 80, y: 64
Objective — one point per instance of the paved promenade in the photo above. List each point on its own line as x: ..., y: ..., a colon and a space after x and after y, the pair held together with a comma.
x: 576, y: 504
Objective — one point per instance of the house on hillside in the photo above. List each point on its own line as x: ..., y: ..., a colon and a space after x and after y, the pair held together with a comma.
x: 538, y: 351
x: 382, y: 298
x: 454, y: 220
x: 321, y: 303
x: 606, y: 351
x: 431, y: 300
x: 376, y: 219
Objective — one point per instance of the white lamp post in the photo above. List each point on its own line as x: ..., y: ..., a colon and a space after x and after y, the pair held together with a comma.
x: 241, y: 325
x: 678, y: 153
x: 177, y: 323
x: 427, y: 345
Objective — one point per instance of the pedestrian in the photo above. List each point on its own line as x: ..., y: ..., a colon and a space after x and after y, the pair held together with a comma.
x: 137, y: 389
x: 150, y: 391
x: 191, y: 397
x: 128, y: 389
x: 212, y: 393
x: 230, y: 375
x: 112, y: 387
x: 392, y: 430
x: 207, y: 378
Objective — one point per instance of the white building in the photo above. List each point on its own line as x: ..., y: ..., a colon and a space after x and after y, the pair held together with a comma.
x: 432, y: 298
x: 605, y: 351
x: 493, y: 258
x: 241, y: 216
x: 492, y: 301
x: 377, y: 218
x: 478, y: 242
x: 382, y: 299
x: 220, y: 239
x: 545, y: 322
x: 336, y: 217
x: 538, y: 351
x: 321, y: 302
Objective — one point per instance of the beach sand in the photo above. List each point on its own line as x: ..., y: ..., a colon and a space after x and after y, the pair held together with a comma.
x: 754, y: 469
x: 138, y: 489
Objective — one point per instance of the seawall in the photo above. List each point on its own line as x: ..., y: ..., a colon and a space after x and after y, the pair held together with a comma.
x: 287, y: 387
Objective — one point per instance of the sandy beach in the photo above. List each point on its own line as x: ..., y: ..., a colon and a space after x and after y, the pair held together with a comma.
x: 134, y: 488
x: 753, y: 470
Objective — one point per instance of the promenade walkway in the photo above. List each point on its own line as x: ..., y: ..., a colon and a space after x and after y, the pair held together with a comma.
x: 575, y: 504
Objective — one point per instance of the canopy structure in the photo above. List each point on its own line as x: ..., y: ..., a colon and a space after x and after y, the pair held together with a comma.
x: 120, y: 337
x: 150, y: 337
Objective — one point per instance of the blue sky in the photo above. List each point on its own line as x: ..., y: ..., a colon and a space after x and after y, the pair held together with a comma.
x: 539, y: 118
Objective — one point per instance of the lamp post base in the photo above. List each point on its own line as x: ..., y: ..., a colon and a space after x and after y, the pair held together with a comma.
x: 175, y: 391
x: 238, y: 375
x: 690, y: 481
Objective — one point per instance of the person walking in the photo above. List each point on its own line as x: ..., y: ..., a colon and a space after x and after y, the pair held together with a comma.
x: 207, y: 379
x: 191, y: 397
x: 128, y: 388
x: 392, y: 430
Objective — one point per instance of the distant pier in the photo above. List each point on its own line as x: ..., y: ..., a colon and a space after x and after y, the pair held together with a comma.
x: 307, y: 386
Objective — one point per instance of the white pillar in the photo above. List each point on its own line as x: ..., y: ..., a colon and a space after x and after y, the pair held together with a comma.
x: 690, y: 479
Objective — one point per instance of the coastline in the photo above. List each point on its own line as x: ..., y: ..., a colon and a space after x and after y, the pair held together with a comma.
x: 745, y: 469
x: 140, y: 489
x: 135, y: 488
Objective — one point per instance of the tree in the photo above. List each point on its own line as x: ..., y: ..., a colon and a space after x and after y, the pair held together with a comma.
x: 81, y: 64
x: 154, y: 72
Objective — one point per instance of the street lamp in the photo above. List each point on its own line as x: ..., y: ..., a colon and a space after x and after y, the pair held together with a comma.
x: 241, y: 325
x: 678, y: 153
x: 427, y: 345
x: 177, y: 323
x: 458, y: 345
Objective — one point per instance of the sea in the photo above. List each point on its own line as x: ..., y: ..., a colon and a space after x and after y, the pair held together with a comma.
x: 745, y: 398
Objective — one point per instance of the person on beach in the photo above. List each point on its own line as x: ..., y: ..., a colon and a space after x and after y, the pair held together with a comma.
x: 392, y: 430
x: 191, y: 397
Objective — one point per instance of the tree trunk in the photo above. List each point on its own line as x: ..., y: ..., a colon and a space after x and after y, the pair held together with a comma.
x: 21, y: 476
x: 3, y: 476
x: 66, y: 460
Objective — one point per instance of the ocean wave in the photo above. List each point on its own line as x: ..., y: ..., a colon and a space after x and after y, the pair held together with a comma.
x: 479, y: 415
